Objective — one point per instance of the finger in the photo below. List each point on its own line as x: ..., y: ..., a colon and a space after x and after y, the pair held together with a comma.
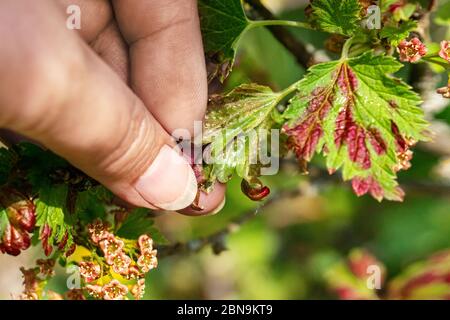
x: 95, y: 16
x: 99, y: 29
x: 209, y: 204
x: 166, y: 58
x: 55, y: 90
x: 111, y: 47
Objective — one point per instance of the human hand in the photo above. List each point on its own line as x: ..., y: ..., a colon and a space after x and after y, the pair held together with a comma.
x: 70, y: 91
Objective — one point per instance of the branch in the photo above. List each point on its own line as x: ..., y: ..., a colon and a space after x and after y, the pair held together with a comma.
x: 217, y: 239
x: 297, y: 48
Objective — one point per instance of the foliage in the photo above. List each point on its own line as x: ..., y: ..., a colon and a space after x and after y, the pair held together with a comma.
x: 62, y: 207
x: 339, y: 17
x: 223, y: 23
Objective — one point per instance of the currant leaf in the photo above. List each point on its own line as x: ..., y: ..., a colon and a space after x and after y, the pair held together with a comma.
x: 3, y: 221
x: 396, y: 33
x: 336, y: 16
x: 139, y: 222
x: 17, y: 221
x: 39, y: 164
x: 361, y: 118
x: 235, y: 124
x: 222, y: 23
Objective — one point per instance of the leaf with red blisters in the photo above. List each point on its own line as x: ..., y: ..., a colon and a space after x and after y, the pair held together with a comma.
x: 17, y: 220
x: 54, y: 229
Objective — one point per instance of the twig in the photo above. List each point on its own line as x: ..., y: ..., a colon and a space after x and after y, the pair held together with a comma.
x: 297, y: 48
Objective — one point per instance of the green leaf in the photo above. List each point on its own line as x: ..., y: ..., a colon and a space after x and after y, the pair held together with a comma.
x: 3, y: 221
x: 395, y: 34
x: 361, y: 118
x: 51, y: 210
x: 6, y: 164
x: 39, y: 164
x: 337, y: 16
x: 138, y: 223
x: 339, y: 278
x: 222, y: 23
x: 236, y: 123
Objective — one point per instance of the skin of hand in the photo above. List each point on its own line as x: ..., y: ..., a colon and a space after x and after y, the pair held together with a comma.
x: 106, y: 97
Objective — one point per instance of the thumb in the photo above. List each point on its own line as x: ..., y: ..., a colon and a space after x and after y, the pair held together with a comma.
x: 69, y: 100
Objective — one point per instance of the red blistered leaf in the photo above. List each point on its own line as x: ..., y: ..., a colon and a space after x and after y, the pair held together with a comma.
x: 62, y: 244
x: 361, y: 186
x: 46, y: 231
x: 404, y: 154
x: 352, y: 124
x: 377, y: 141
x: 349, y: 133
x: 399, y: 140
x: 21, y: 218
x: 71, y: 250
x: 428, y: 279
x: 13, y: 241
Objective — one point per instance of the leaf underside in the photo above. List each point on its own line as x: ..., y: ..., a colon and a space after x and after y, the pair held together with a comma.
x: 235, y: 125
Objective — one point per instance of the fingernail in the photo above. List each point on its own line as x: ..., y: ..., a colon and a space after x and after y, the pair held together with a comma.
x: 219, y: 208
x: 169, y: 183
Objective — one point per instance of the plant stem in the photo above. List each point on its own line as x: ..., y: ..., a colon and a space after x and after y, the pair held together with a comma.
x: 346, y: 48
x: 430, y: 59
x: 358, y: 49
x: 288, y: 90
x: 285, y: 23
x: 298, y: 49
